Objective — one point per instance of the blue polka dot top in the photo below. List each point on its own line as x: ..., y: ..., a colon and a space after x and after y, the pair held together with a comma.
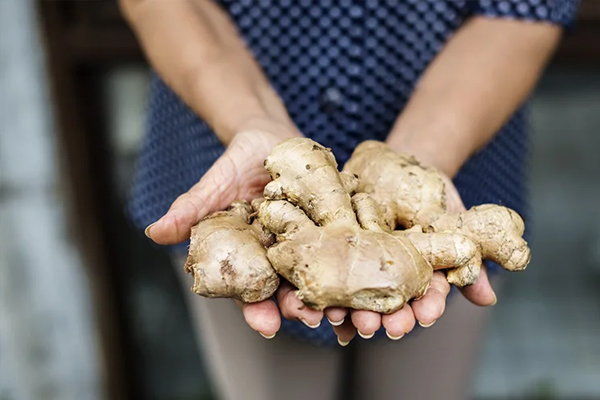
x: 345, y: 69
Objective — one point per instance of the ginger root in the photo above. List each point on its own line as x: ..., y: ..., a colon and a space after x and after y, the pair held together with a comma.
x: 227, y: 256
x: 367, y: 238
x: 410, y: 194
x: 321, y: 247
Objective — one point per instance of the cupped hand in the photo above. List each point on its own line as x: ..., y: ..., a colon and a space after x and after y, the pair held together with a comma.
x: 424, y: 311
x: 238, y: 174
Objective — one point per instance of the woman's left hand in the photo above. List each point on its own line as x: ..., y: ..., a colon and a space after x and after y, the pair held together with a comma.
x: 424, y: 311
x: 449, y: 117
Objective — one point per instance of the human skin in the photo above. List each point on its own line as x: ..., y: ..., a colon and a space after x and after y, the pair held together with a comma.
x: 471, y: 88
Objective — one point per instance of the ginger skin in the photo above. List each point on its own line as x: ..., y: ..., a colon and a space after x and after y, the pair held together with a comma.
x: 321, y: 247
x: 227, y: 256
x: 410, y: 194
x: 334, y: 247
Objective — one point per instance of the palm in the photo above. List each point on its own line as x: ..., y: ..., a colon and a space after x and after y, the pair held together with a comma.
x: 237, y: 174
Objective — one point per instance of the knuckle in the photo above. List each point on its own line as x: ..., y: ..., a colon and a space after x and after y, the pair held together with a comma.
x: 191, y: 200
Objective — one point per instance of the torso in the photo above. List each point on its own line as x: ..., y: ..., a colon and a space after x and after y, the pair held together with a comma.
x: 345, y: 72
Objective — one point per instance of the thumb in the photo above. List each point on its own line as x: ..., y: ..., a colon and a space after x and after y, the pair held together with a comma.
x: 213, y: 192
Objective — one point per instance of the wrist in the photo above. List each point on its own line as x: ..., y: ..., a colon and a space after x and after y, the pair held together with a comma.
x: 249, y: 115
x: 264, y: 132
x: 278, y: 127
x: 232, y: 95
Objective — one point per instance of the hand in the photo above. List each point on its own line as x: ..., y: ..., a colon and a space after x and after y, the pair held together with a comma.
x: 425, y: 310
x: 238, y: 174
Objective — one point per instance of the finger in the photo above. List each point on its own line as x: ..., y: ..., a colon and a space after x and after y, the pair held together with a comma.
x: 399, y: 323
x: 336, y: 315
x: 345, y: 332
x: 293, y: 308
x: 431, y: 306
x: 213, y: 192
x: 481, y: 292
x: 263, y: 317
x: 366, y: 322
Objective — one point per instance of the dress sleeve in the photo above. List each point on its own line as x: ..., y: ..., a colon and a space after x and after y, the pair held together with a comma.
x: 560, y: 12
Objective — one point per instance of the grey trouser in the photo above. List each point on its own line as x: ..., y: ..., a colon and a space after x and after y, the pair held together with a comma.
x: 435, y: 364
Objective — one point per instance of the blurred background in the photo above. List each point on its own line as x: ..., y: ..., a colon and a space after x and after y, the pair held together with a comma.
x: 89, y: 309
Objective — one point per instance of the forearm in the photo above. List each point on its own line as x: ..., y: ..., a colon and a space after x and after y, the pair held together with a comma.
x: 469, y: 91
x: 195, y: 48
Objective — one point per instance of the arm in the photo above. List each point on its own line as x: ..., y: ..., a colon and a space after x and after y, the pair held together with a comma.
x: 471, y: 89
x: 195, y: 48
x: 464, y: 97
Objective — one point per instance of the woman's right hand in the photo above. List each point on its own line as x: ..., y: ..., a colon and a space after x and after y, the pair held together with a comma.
x: 213, y: 72
x: 238, y: 174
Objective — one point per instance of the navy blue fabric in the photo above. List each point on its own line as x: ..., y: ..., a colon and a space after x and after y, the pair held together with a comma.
x: 345, y: 69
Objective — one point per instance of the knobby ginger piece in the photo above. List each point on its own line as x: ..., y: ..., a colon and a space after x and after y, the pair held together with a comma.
x: 332, y: 246
x: 227, y: 257
x: 410, y: 194
x: 334, y: 235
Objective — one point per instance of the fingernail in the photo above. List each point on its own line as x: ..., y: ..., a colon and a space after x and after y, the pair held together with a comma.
x: 362, y: 335
x: 147, y: 230
x: 267, y: 336
x: 309, y: 325
x: 336, y: 323
x: 342, y: 343
x: 427, y: 325
x: 495, y: 300
x: 394, y: 337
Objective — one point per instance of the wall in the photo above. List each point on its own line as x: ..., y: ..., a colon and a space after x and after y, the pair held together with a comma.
x: 48, y: 343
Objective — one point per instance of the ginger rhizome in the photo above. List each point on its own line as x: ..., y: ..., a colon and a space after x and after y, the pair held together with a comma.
x: 227, y: 256
x: 366, y: 238
x: 322, y: 248
x: 411, y: 195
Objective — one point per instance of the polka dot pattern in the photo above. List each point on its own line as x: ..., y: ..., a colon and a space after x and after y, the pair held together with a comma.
x: 555, y: 11
x: 345, y: 69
